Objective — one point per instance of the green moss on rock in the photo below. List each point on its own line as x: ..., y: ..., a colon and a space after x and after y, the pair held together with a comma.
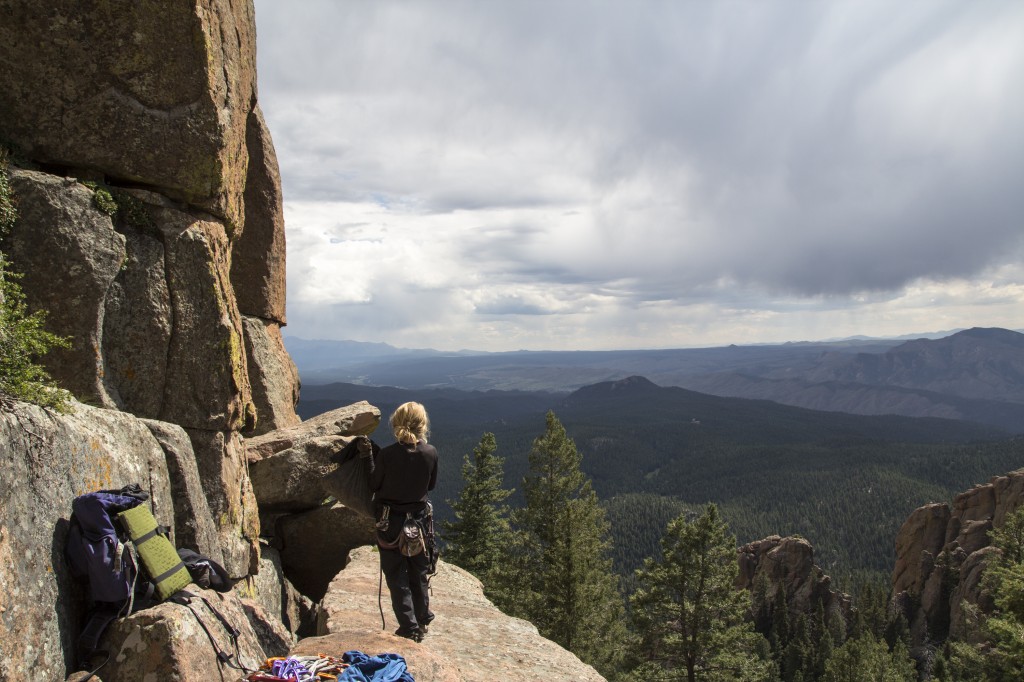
x: 8, y: 211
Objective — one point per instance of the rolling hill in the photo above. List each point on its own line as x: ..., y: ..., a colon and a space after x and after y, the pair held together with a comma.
x: 975, y: 375
x: 972, y: 375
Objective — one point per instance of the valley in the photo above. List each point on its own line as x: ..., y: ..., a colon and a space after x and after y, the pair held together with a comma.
x: 845, y: 482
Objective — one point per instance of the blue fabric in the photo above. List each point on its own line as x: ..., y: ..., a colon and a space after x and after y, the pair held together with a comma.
x: 379, y: 668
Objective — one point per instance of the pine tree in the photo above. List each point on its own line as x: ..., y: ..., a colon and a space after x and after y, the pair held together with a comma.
x: 566, y: 584
x: 874, y: 608
x: 779, y: 632
x: 867, y: 658
x: 688, y: 612
x: 23, y: 338
x: 1004, y: 580
x: 821, y: 641
x: 798, y: 654
x: 479, y: 537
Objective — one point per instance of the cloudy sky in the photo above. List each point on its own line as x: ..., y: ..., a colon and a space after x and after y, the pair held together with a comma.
x: 588, y: 174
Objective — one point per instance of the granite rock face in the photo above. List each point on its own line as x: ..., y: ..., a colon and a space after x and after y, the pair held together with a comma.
x: 193, y: 523
x: 788, y: 564
x: 207, y: 379
x: 258, y: 255
x: 941, y: 552
x: 149, y: 308
x: 172, y: 641
x: 155, y: 94
x: 220, y: 456
x: 70, y: 255
x: 139, y: 140
x: 919, y: 541
x: 470, y: 640
x: 273, y: 377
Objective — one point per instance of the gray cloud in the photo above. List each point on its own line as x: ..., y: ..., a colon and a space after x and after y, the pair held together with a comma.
x: 659, y: 152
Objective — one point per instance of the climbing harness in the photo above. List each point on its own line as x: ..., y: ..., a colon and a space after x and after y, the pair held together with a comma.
x: 415, y: 537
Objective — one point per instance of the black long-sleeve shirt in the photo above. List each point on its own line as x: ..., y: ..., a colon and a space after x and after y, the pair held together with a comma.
x: 403, y: 474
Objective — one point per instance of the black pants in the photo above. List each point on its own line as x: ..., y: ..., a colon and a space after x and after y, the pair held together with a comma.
x: 407, y: 582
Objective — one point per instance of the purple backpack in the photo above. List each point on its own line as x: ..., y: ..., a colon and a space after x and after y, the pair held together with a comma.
x: 96, y: 553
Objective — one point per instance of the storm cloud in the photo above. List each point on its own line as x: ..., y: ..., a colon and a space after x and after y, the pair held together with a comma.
x: 581, y: 174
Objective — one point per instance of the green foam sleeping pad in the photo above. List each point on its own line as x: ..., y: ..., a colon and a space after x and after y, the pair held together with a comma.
x: 159, y: 558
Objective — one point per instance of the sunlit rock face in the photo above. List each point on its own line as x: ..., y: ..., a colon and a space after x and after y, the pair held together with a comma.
x: 154, y: 94
x: 136, y: 142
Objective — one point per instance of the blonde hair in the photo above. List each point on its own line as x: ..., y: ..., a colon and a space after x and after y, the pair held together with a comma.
x: 410, y: 423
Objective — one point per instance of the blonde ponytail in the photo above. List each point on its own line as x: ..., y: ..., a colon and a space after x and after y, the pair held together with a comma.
x: 410, y: 423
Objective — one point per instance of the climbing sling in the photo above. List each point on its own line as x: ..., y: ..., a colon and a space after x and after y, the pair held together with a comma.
x: 185, y: 598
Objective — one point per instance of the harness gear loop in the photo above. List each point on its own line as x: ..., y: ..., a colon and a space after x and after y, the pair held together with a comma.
x: 385, y: 519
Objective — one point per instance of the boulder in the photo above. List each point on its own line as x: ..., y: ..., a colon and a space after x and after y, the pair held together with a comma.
x: 315, y: 545
x: 277, y: 596
x: 258, y: 254
x: 223, y: 473
x: 193, y: 523
x: 293, y: 480
x: 470, y: 640
x: 156, y: 94
x: 273, y: 377
x: 47, y: 460
x: 70, y: 254
x: 172, y: 641
x: 358, y: 419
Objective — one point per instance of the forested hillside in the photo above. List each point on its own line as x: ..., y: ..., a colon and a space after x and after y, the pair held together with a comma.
x: 845, y: 482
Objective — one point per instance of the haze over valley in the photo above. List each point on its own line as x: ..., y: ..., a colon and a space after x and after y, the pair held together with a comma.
x: 936, y: 416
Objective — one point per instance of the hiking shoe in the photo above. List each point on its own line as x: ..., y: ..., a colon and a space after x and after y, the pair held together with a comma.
x: 414, y: 635
x: 425, y: 624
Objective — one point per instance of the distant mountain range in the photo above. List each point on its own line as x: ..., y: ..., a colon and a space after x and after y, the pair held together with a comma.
x: 974, y: 375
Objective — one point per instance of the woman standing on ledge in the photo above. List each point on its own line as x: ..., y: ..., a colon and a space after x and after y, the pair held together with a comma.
x: 403, y: 474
